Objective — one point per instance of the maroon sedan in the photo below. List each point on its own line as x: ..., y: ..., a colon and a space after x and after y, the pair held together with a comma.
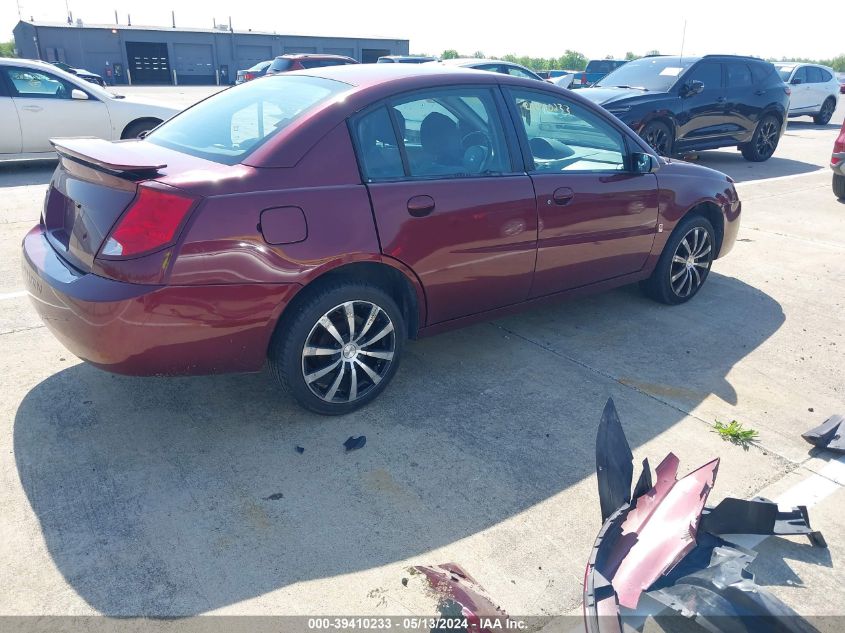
x: 320, y: 218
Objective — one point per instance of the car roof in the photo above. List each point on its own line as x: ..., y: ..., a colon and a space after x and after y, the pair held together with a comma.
x: 311, y: 56
x: 796, y: 64
x: 466, y: 61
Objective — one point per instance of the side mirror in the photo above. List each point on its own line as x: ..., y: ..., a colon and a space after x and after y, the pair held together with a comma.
x: 76, y: 93
x: 796, y: 81
x: 694, y: 87
x: 642, y: 163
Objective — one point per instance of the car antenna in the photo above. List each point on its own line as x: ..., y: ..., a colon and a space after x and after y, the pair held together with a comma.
x: 683, y: 39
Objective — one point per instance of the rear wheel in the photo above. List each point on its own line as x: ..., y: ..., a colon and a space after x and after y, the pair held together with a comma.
x: 839, y: 186
x: 684, y: 264
x: 823, y: 117
x: 659, y: 137
x: 340, y: 348
x: 764, y: 142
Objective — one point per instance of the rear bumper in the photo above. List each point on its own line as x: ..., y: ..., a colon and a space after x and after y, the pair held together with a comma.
x: 147, y: 330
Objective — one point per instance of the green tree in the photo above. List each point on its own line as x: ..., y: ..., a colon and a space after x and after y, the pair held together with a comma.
x: 631, y: 56
x: 653, y: 52
x: 572, y: 60
x: 7, y: 49
x: 478, y: 55
x: 450, y: 53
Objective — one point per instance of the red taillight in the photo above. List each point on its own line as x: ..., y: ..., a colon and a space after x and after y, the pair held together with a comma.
x: 584, y: 79
x: 150, y: 222
x: 249, y: 76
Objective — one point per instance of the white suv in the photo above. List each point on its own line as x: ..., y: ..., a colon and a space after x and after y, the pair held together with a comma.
x: 815, y: 90
x: 39, y: 101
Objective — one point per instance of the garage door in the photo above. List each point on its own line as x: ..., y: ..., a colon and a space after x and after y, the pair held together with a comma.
x: 194, y: 64
x: 148, y: 63
x: 292, y: 50
x: 347, y: 52
x: 249, y: 56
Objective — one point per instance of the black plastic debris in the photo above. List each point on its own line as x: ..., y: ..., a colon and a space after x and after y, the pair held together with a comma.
x: 275, y: 497
x: 300, y: 450
x: 644, y: 483
x: 758, y: 516
x: 354, y: 443
x: 829, y: 434
x: 614, y: 462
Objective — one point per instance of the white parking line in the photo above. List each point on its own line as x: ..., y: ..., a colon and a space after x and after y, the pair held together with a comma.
x: 12, y: 295
x: 776, y: 178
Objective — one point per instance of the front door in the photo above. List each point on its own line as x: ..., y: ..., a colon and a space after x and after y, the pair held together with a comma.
x: 597, y: 219
x: 801, y: 98
x: 703, y: 117
x: 447, y: 200
x: 46, y: 109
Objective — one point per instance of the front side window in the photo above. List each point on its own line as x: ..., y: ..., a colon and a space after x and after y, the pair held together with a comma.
x: 800, y: 76
x: 564, y: 136
x: 739, y: 75
x: 227, y: 126
x: 30, y: 83
x: 708, y: 73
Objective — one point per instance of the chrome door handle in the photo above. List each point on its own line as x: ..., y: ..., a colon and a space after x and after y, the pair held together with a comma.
x: 33, y: 108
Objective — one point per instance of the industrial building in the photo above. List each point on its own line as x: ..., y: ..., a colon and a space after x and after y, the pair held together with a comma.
x: 125, y: 54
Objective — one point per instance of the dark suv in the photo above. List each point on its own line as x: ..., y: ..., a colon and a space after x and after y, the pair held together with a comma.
x: 299, y: 61
x: 693, y: 103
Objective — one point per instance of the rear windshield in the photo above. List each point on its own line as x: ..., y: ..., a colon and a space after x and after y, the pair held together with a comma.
x: 649, y: 73
x: 602, y: 66
x: 279, y: 64
x: 229, y: 125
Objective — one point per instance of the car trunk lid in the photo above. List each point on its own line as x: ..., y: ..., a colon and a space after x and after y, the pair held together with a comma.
x: 94, y: 183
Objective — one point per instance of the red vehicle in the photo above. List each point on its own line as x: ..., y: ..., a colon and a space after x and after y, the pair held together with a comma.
x: 305, y: 61
x: 837, y: 164
x: 321, y: 218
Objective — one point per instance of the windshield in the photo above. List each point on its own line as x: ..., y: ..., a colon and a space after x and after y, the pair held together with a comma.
x: 785, y: 72
x: 280, y: 63
x: 229, y: 125
x: 260, y: 66
x: 656, y: 74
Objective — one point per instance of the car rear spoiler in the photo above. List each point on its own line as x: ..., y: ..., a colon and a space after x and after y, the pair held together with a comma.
x: 112, y: 156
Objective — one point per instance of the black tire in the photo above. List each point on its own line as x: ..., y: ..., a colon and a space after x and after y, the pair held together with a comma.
x: 823, y: 117
x: 764, y: 142
x: 290, y: 362
x: 664, y: 285
x: 659, y: 137
x: 134, y: 130
x: 839, y: 186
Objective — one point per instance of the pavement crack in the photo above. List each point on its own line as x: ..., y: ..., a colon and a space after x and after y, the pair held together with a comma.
x: 21, y: 329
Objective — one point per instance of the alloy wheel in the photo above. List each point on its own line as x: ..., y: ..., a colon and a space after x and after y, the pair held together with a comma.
x: 767, y: 138
x: 827, y: 112
x: 691, y: 262
x: 657, y: 139
x: 348, y: 351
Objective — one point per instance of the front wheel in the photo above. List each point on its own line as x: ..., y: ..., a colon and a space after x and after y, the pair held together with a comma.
x: 764, y: 141
x: 340, y: 348
x: 839, y: 186
x: 823, y: 117
x: 684, y: 264
x: 659, y: 137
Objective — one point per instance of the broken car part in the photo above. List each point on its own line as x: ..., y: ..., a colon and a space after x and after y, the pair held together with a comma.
x: 829, y: 434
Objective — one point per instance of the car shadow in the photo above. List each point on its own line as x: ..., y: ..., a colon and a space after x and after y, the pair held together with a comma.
x: 808, y: 124
x: 36, y: 172
x: 176, y: 496
x: 734, y: 165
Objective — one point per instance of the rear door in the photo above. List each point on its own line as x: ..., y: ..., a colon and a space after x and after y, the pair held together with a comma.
x: 703, y: 115
x: 10, y: 127
x: 597, y: 219
x: 46, y: 110
x: 744, y: 102
x: 449, y: 202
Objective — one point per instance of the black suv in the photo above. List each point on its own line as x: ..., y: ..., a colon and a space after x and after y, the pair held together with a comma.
x: 692, y: 103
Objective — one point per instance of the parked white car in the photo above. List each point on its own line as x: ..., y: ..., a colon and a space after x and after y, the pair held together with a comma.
x: 815, y: 90
x: 39, y: 101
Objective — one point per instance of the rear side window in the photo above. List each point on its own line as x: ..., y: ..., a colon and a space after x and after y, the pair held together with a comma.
x: 814, y: 75
x: 451, y: 133
x: 826, y: 76
x: 708, y: 73
x: 280, y: 65
x: 764, y: 72
x: 322, y: 63
x: 229, y: 125
x: 378, y: 147
x: 739, y: 75
x: 519, y: 72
